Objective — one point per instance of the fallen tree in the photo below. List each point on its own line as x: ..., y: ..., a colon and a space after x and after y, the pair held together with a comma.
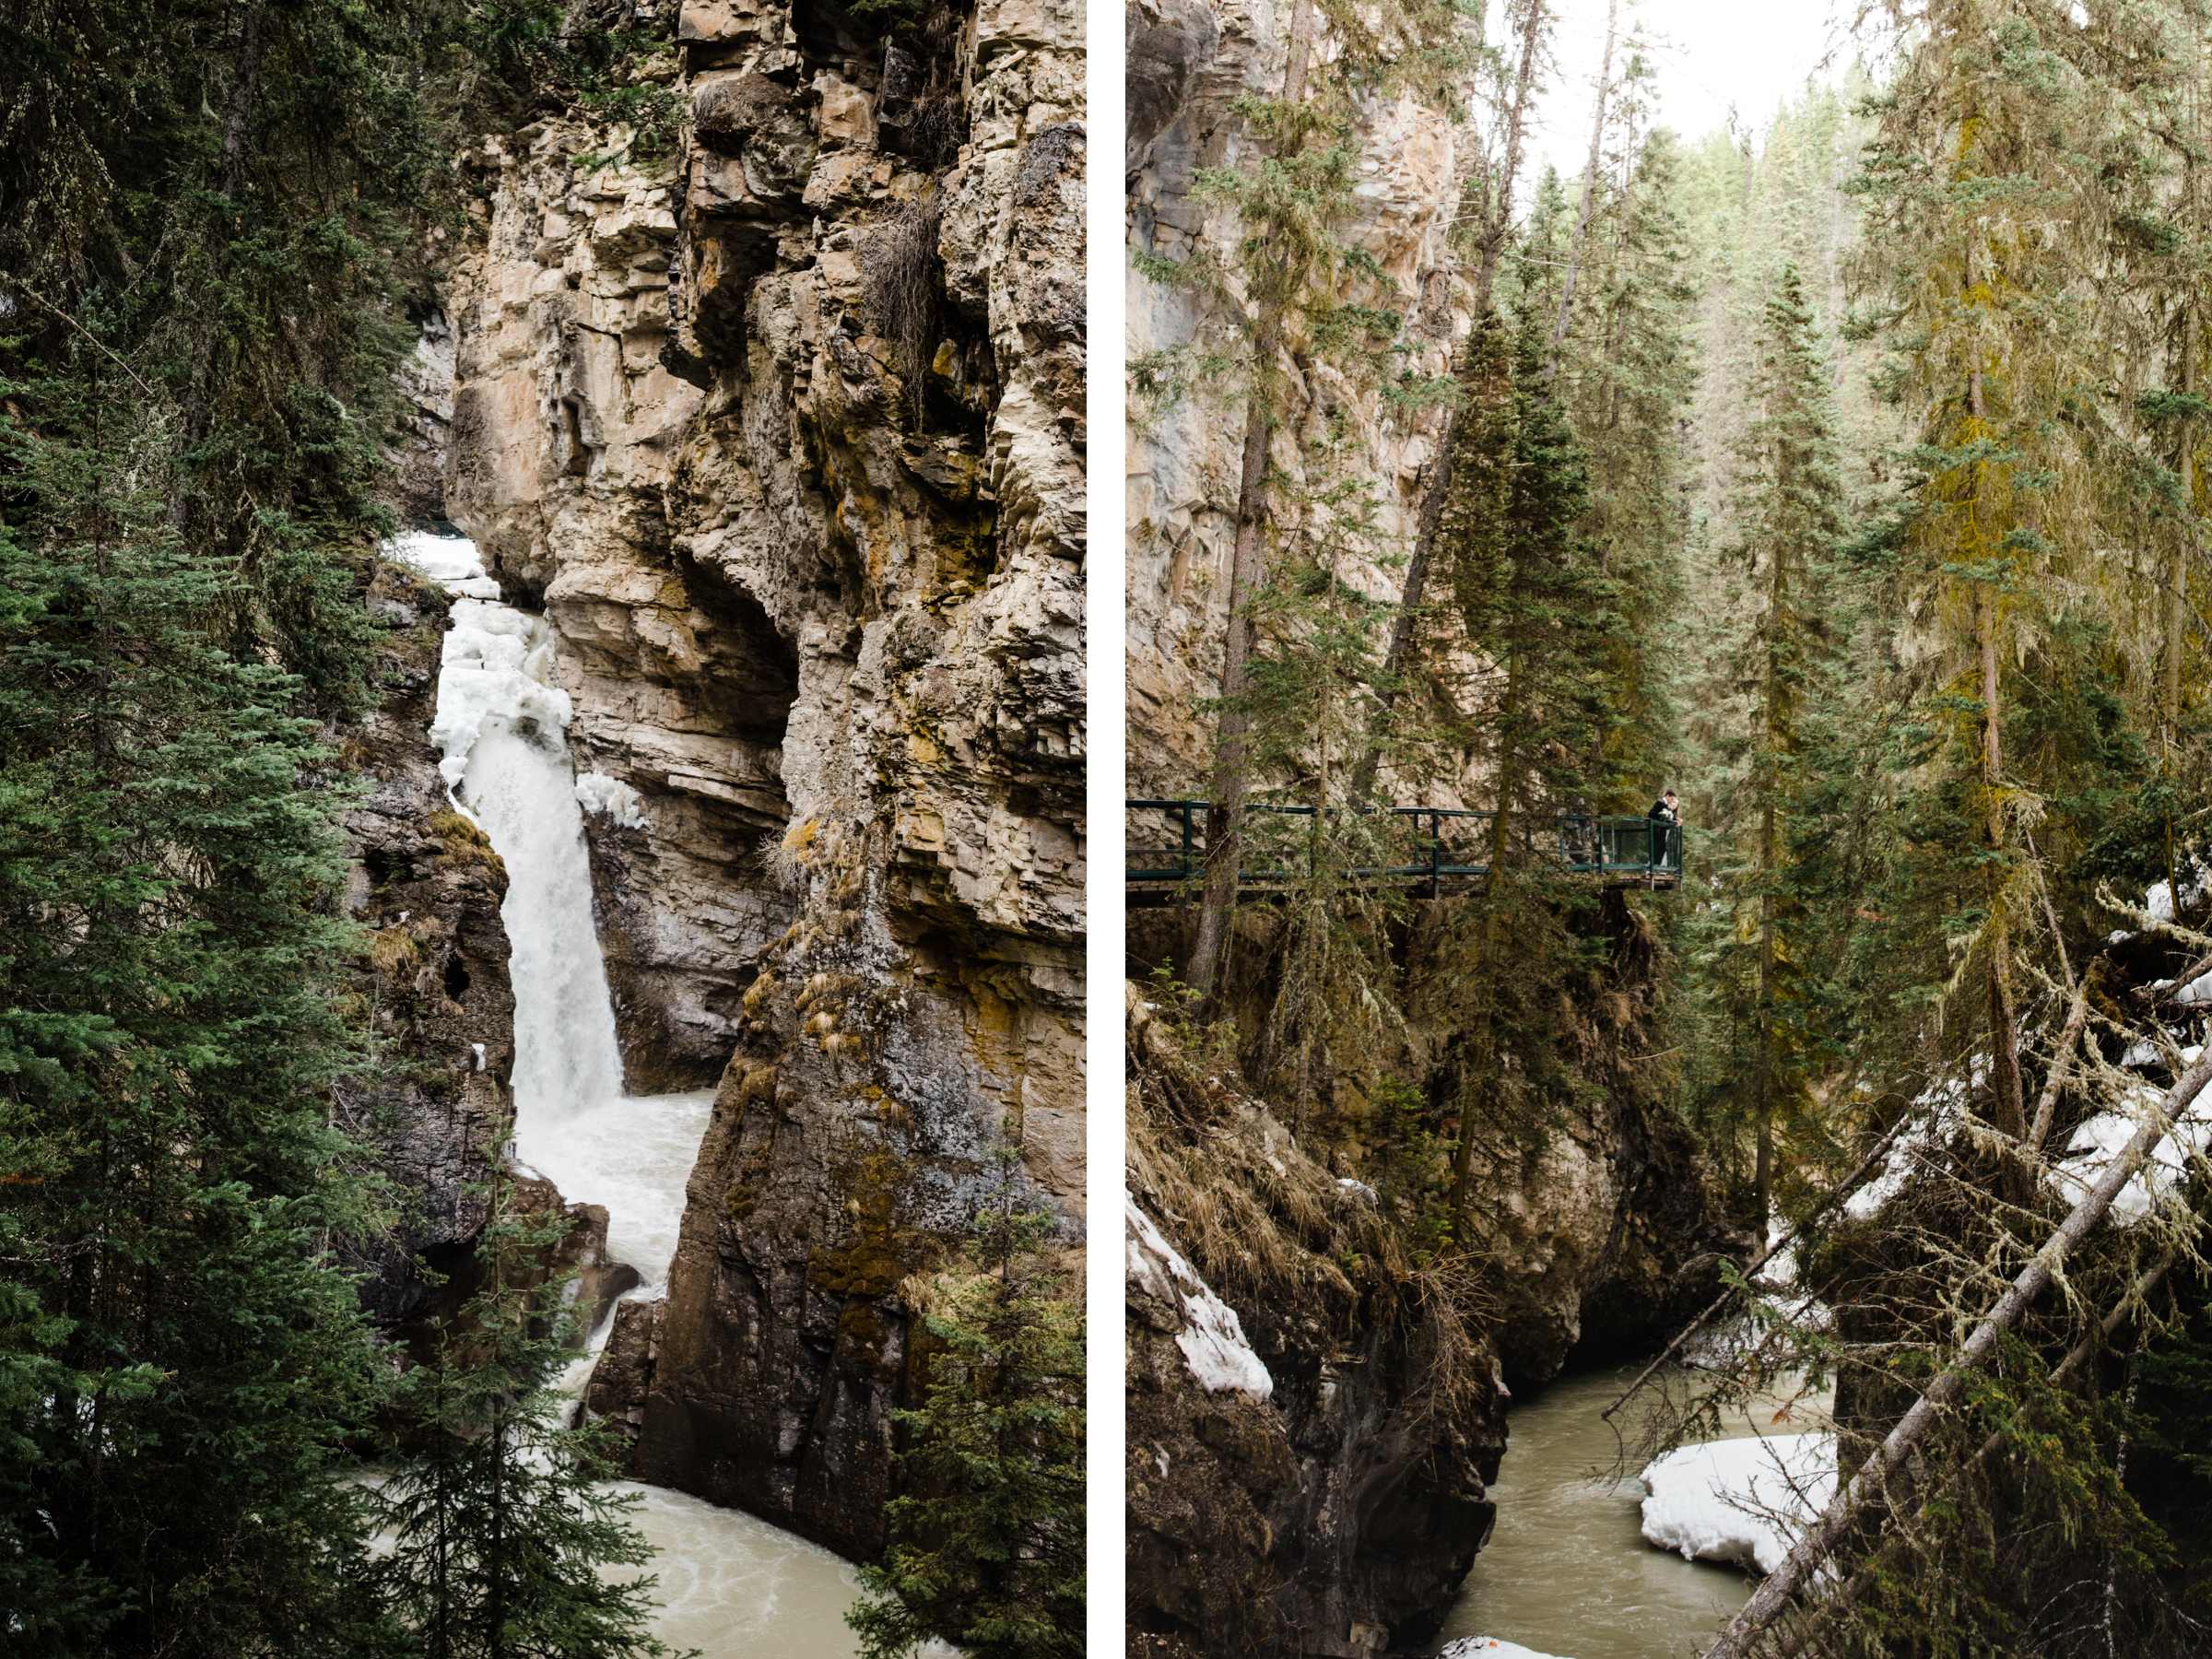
x: 1885, y: 1471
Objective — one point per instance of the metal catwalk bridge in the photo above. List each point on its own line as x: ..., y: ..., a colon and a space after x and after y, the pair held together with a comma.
x: 1438, y: 847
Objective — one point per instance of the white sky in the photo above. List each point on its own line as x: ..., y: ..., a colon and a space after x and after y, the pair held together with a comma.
x: 1710, y: 54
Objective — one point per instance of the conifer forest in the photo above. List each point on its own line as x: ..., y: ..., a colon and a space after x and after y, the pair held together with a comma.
x: 1564, y: 1225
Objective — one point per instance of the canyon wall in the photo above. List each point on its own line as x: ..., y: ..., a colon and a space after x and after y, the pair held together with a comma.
x: 782, y: 426
x: 1190, y: 61
x: 1311, y: 1433
x: 428, y: 887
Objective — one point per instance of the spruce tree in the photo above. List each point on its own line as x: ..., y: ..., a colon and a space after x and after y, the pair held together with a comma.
x: 1997, y: 119
x: 1334, y: 1007
x: 1627, y: 372
x: 500, y: 1518
x: 1540, y: 620
x: 186, y: 1360
x: 987, y: 1538
x: 1297, y: 290
x: 1790, y: 509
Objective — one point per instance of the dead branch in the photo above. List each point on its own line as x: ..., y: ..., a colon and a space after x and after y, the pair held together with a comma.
x: 1887, y: 1462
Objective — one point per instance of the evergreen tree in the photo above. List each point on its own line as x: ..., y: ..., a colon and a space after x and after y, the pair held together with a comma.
x: 1998, y: 118
x: 1297, y: 293
x: 500, y: 1520
x: 988, y: 1540
x: 1334, y: 1003
x: 1629, y: 371
x: 1790, y: 512
x: 1541, y: 618
x: 184, y: 1361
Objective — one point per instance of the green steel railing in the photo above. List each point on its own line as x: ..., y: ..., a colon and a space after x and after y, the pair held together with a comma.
x: 1427, y: 843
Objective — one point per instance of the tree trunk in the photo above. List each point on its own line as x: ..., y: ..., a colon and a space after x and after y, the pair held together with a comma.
x: 1484, y: 1046
x: 2010, y: 1112
x: 1773, y: 739
x: 1888, y: 1461
x: 2178, y: 559
x: 1589, y: 203
x: 1762, y: 1112
x: 1498, y: 221
x: 1224, y: 811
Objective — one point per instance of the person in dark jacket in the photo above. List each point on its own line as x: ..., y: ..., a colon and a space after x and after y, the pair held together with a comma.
x: 1666, y: 831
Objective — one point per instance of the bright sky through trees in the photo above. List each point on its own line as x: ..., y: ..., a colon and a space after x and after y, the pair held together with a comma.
x: 1711, y: 54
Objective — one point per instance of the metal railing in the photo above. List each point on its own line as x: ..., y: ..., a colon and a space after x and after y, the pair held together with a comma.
x: 1417, y: 844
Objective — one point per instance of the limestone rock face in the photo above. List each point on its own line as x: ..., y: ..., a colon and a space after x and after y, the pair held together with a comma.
x: 1190, y: 61
x: 429, y: 886
x: 783, y: 430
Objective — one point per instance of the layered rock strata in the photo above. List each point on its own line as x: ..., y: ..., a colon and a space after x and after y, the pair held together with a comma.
x: 782, y: 429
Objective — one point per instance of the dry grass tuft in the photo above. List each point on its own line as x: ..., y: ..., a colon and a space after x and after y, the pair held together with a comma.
x: 1267, y: 1226
x: 899, y: 262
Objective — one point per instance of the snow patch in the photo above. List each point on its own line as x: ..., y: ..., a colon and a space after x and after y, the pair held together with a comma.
x: 1212, y: 1339
x: 610, y: 799
x: 450, y: 561
x: 1741, y: 1502
x: 1938, y: 1111
x: 2099, y: 1140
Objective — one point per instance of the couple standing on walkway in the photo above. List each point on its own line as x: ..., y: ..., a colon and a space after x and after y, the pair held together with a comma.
x: 1665, y: 818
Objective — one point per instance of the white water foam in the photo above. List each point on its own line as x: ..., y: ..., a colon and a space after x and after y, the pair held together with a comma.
x: 730, y: 1584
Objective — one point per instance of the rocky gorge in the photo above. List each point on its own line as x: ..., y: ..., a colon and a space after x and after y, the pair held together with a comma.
x: 1335, y: 1508
x: 773, y: 410
x: 1324, y: 1488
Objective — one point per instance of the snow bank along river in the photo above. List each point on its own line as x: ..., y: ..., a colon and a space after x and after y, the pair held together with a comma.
x: 731, y: 1585
x: 1570, y: 1571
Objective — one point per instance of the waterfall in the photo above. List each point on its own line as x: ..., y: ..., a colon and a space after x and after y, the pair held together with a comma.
x: 501, y: 732
x: 731, y: 1584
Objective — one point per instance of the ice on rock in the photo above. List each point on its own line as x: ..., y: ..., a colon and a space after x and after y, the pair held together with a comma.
x: 1212, y: 1339
x: 496, y: 669
x: 1741, y: 1502
x: 610, y: 799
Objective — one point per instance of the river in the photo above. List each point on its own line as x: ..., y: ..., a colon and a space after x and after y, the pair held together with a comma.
x: 1567, y: 1572
x: 730, y: 1586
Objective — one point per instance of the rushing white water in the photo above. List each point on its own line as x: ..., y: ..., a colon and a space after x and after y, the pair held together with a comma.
x: 730, y: 1584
